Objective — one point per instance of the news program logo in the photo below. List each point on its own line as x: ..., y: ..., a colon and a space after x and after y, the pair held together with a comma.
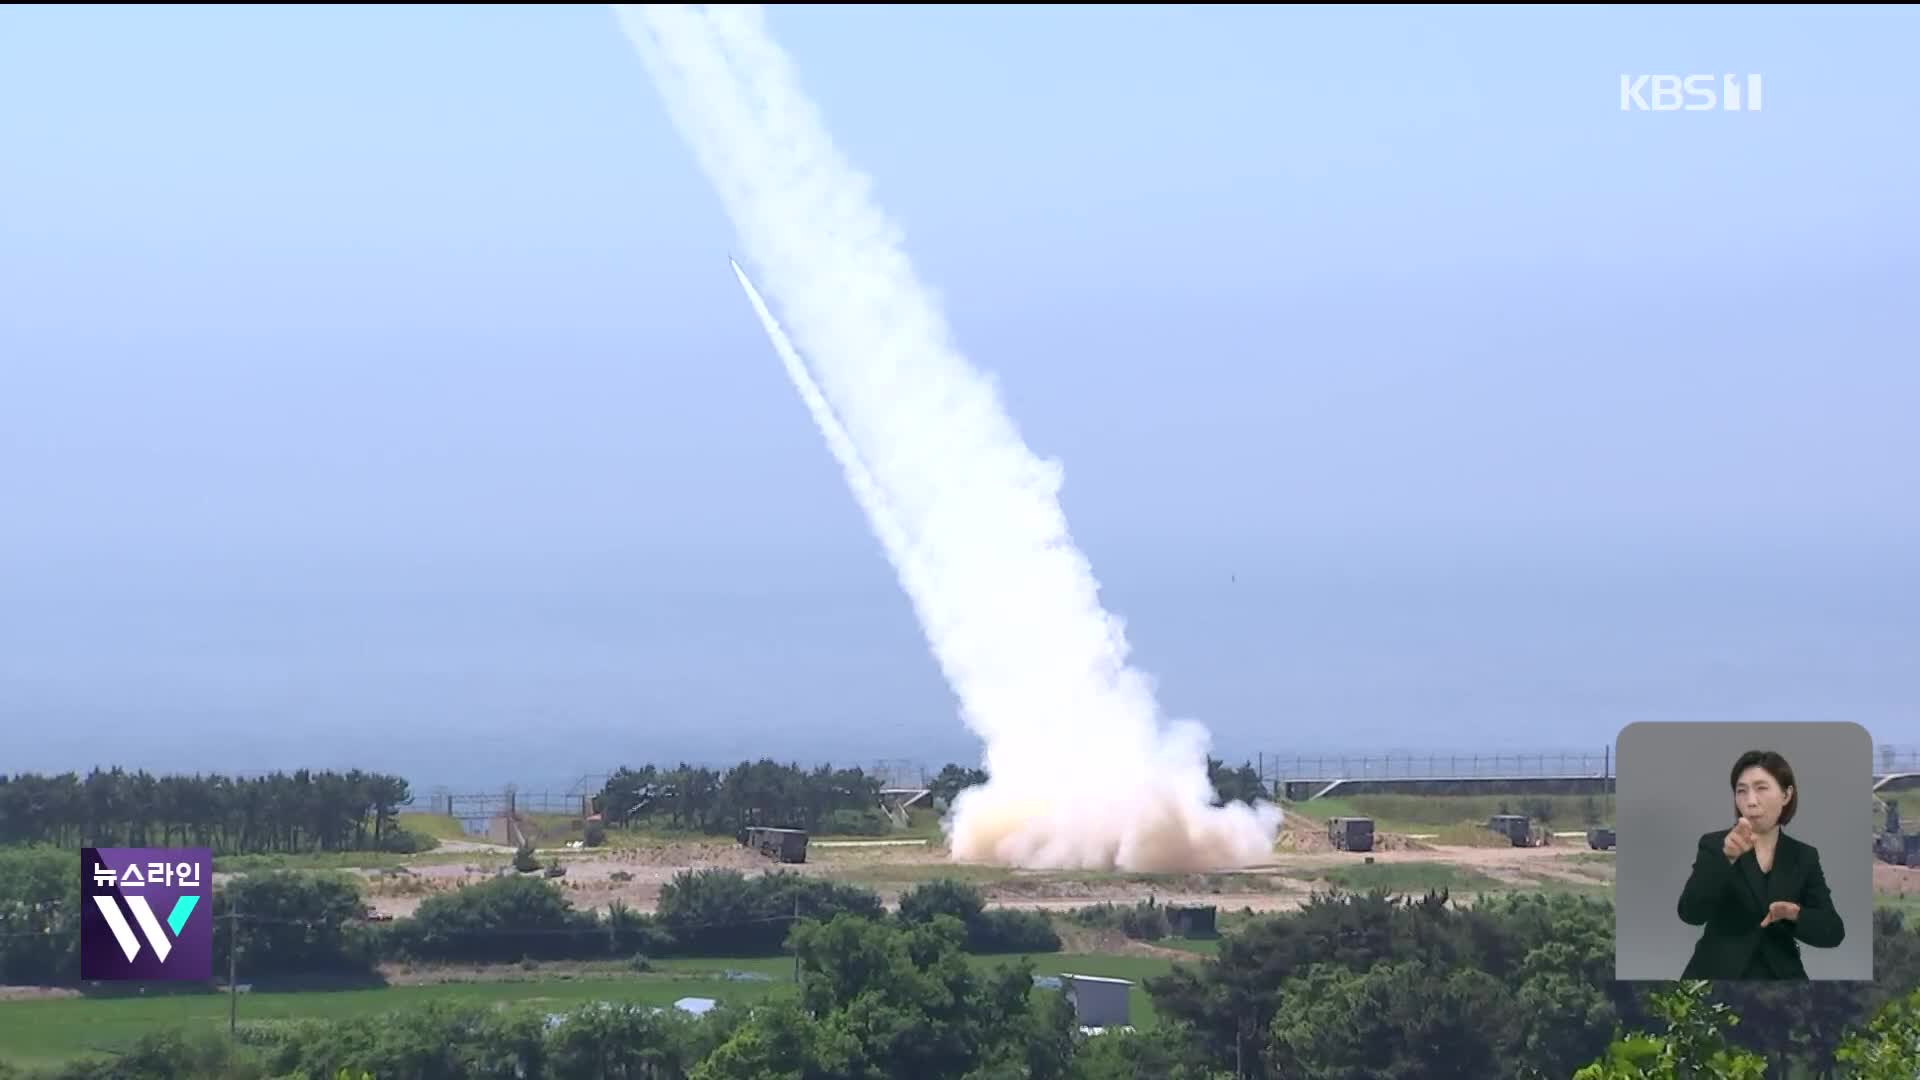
x: 146, y: 913
x: 1689, y: 93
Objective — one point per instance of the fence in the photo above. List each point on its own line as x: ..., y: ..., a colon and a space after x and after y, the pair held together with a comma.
x: 490, y: 804
x: 1272, y: 769
x: 1278, y: 768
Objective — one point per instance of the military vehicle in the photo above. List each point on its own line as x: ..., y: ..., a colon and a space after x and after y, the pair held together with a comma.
x: 1519, y: 829
x: 1893, y: 846
x: 1600, y: 839
x: 1350, y: 833
x: 786, y: 845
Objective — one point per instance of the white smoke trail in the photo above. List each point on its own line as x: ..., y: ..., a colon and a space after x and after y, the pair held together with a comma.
x: 866, y: 491
x: 1083, y: 774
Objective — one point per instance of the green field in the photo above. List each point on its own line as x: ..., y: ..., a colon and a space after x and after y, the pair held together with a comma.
x: 438, y: 826
x: 1408, y: 878
x: 905, y: 874
x: 1907, y: 906
x: 353, y: 860
x: 1425, y: 813
x: 49, y: 1032
x: 922, y: 824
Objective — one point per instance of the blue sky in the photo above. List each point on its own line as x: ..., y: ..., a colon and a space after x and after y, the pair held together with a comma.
x: 379, y: 370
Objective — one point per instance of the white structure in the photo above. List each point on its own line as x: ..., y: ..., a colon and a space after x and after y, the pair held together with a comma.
x: 1098, y: 1002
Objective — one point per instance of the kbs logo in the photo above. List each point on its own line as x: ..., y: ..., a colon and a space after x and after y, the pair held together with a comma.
x: 146, y: 913
x: 1689, y: 93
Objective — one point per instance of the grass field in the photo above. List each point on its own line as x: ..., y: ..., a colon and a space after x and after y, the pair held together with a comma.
x: 438, y: 826
x: 1406, y: 878
x: 1907, y: 906
x: 910, y: 873
x: 1426, y: 813
x: 352, y: 860
x: 922, y: 824
x: 48, y: 1032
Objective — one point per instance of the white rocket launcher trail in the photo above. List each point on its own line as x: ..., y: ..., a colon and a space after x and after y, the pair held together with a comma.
x: 1084, y: 770
x: 865, y: 492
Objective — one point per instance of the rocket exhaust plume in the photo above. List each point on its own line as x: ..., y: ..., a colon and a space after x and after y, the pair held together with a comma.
x: 1084, y: 770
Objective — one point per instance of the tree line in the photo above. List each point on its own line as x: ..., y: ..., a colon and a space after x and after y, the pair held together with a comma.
x: 825, y: 799
x: 764, y: 792
x: 278, y: 812
x: 357, y: 810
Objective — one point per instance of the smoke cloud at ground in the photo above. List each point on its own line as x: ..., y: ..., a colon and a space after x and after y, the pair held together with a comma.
x: 1086, y: 772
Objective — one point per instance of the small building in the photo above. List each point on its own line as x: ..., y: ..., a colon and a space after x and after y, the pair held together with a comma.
x: 1098, y: 1002
x: 1196, y: 921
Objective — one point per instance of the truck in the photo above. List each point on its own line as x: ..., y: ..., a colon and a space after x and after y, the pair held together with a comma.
x: 786, y: 845
x: 1350, y: 833
x: 1519, y: 829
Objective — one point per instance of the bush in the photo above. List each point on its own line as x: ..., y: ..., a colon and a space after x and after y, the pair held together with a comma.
x: 629, y: 932
x: 1145, y: 921
x: 504, y: 919
x: 870, y: 822
x: 438, y: 1039
x: 39, y: 916
x: 407, y: 842
x: 201, y: 1055
x: 987, y: 931
x: 726, y: 913
x: 943, y: 896
x: 293, y: 923
x: 1010, y: 931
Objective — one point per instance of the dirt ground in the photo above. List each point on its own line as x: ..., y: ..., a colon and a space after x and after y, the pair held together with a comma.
x: 595, y: 880
x: 1896, y: 880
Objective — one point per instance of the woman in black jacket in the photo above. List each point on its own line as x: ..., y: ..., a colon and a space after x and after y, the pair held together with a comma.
x: 1759, y: 892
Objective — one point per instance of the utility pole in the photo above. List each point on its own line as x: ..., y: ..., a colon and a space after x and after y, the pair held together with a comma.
x: 1239, y: 1045
x: 233, y: 968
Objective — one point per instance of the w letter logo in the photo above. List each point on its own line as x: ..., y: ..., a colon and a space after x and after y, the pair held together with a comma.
x: 146, y: 913
x: 143, y: 914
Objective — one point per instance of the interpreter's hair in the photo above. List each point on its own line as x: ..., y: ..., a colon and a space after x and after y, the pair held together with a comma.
x: 1776, y: 767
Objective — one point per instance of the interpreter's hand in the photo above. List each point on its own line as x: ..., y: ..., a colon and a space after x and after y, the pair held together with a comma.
x: 1739, y: 840
x: 1781, y: 911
